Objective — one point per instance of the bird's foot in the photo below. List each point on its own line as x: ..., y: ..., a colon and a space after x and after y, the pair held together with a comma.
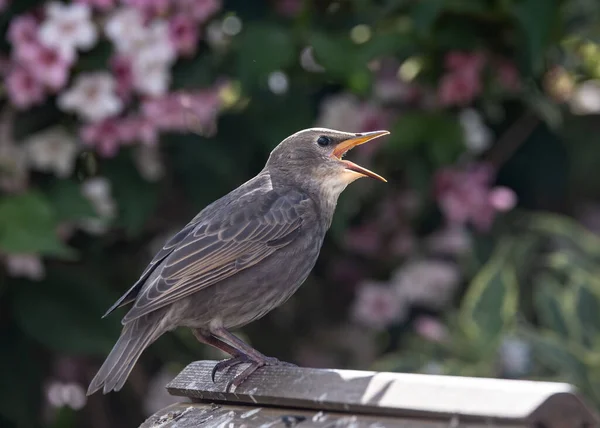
x: 255, y: 364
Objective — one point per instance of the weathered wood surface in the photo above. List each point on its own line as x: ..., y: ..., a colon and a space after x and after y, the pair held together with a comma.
x: 205, y: 415
x: 425, y: 397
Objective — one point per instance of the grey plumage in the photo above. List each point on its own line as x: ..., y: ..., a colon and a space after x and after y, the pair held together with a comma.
x: 239, y: 258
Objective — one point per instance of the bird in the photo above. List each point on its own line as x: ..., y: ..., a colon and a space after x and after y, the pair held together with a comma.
x: 240, y: 257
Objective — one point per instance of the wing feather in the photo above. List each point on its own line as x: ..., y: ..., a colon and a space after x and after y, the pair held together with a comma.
x: 217, y: 249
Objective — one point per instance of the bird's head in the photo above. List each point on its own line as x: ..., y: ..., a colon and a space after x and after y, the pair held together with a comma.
x: 315, y: 156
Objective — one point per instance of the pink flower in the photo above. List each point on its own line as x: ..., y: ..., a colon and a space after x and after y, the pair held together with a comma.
x: 427, y: 283
x: 377, y: 306
x: 105, y: 136
x: 23, y: 89
x: 346, y: 272
x: 199, y: 10
x: 502, y: 199
x: 462, y: 83
x: 121, y: 67
x: 109, y: 135
x: 181, y: 111
x: 4, y: 4
x: 289, y: 8
x: 149, y: 8
x: 138, y: 128
x: 431, y: 329
x: 508, y: 75
x: 372, y: 118
x: 183, y: 32
x: 465, y: 196
x: 23, y: 35
x: 102, y: 5
x: 28, y: 266
x: 458, y: 89
x: 48, y: 66
x: 464, y: 61
x: 365, y: 240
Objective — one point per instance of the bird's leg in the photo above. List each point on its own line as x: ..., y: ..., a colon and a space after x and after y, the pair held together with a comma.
x: 208, y: 339
x: 237, y: 356
x: 246, y: 354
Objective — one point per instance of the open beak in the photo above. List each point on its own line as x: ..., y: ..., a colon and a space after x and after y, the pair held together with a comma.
x: 341, y: 149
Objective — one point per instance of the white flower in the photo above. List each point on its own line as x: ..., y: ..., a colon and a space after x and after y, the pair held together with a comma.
x: 153, y: 56
x: 586, y: 98
x: 92, y: 96
x: 98, y: 191
x: 149, y: 163
x: 52, y: 150
x: 341, y: 111
x: 61, y: 394
x: 151, y: 78
x: 308, y: 61
x: 216, y: 37
x: 68, y: 27
x: 515, y: 357
x: 150, y: 48
x: 376, y: 305
x: 25, y: 265
x: 430, y: 283
x: 451, y: 240
x: 155, y: 44
x: 478, y: 136
x: 125, y: 28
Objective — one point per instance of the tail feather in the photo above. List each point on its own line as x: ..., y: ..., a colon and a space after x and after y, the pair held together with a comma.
x: 135, y: 337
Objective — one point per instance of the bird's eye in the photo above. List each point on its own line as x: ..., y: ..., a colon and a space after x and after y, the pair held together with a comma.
x: 323, y: 141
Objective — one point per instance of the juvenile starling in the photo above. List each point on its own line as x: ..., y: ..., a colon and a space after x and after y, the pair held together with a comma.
x: 240, y: 257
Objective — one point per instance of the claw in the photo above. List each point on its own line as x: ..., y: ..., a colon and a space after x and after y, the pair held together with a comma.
x: 237, y: 381
x: 255, y: 364
x: 226, y: 364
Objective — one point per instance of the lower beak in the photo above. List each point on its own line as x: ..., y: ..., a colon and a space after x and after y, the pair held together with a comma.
x: 349, y: 144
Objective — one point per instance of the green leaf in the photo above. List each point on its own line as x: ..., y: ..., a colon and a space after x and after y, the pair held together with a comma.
x: 263, y: 49
x: 424, y: 14
x: 565, y: 228
x: 491, y: 301
x: 28, y: 225
x: 69, y: 202
x: 547, y: 299
x: 537, y: 19
x: 587, y: 311
x: 338, y: 55
x: 136, y: 197
x: 438, y: 131
x: 64, y: 314
x: 555, y: 354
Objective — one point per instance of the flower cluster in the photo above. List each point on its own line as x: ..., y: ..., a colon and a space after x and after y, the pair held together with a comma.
x: 425, y: 283
x: 466, y: 196
x: 126, y: 100
x: 147, y: 38
x: 462, y: 81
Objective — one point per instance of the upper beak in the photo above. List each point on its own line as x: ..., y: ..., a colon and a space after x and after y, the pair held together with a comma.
x: 349, y: 144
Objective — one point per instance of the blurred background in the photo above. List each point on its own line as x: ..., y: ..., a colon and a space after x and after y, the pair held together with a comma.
x: 120, y: 120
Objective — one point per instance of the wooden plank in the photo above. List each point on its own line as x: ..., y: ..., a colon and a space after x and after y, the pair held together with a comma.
x: 194, y: 415
x: 391, y: 394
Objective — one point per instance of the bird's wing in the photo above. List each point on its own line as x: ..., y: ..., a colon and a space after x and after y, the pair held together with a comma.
x: 164, y: 252
x: 219, y: 248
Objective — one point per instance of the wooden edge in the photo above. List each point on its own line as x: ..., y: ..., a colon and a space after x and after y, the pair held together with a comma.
x: 382, y: 393
x: 194, y: 415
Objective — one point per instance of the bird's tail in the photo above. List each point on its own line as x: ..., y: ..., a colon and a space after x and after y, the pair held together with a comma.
x: 135, y: 337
